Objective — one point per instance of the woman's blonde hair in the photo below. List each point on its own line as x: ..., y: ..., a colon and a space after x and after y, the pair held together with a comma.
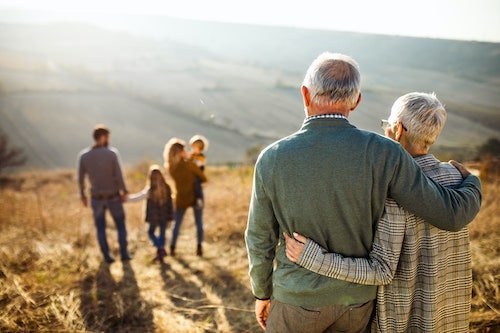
x: 172, y: 154
x: 159, y: 191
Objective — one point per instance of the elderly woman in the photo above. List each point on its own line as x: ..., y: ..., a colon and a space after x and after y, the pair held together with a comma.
x: 424, y: 273
x: 184, y: 173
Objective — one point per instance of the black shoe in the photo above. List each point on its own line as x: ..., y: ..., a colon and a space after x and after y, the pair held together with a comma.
x: 172, y: 251
x: 109, y: 259
x: 199, y: 250
x: 126, y: 257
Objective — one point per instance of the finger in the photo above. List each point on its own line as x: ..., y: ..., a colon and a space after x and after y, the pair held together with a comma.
x: 292, y: 256
x: 460, y: 167
x: 262, y: 323
x: 300, y: 238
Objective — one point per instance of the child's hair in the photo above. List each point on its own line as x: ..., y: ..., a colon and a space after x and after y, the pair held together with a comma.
x: 200, y: 141
x: 159, y: 190
x: 172, y: 154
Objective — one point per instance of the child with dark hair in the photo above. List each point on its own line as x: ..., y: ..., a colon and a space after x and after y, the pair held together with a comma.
x: 159, y: 208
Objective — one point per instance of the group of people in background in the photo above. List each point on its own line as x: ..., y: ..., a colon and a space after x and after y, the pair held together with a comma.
x: 100, y: 163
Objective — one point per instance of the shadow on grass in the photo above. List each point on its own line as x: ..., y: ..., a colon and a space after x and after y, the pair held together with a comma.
x: 188, y: 297
x: 216, y: 295
x: 110, y: 306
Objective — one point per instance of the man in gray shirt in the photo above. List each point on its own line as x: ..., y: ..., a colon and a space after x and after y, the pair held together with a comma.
x: 107, y: 189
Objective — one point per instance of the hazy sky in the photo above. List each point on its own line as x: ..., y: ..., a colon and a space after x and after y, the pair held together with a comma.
x: 454, y: 19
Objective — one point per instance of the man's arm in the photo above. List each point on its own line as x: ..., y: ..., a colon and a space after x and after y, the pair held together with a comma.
x: 378, y: 269
x: 119, y: 176
x: 81, y: 182
x: 444, y: 208
x: 261, y: 237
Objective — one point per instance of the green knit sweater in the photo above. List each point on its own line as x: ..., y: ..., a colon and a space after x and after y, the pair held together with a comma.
x: 329, y: 181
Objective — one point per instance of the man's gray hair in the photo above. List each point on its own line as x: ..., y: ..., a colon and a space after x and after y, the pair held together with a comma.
x: 333, y: 77
x: 422, y: 115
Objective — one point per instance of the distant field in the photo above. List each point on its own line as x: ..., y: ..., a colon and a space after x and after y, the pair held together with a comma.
x: 237, y: 85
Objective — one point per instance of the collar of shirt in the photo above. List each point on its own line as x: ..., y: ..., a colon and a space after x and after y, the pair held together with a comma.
x: 327, y: 116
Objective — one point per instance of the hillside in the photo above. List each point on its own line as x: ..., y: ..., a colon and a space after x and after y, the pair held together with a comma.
x: 52, y: 278
x: 151, y: 78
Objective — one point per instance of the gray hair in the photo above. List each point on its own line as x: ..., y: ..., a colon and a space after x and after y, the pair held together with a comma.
x: 422, y: 115
x: 333, y: 77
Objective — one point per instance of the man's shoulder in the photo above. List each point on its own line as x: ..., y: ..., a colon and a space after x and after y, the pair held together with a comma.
x: 85, y: 151
x: 100, y: 151
x: 377, y: 143
x: 279, y: 145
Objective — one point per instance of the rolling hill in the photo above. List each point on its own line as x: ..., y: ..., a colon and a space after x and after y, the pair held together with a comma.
x: 152, y: 78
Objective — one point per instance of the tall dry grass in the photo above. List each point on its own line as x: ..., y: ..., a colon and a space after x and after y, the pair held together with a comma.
x: 52, y: 278
x: 485, y: 247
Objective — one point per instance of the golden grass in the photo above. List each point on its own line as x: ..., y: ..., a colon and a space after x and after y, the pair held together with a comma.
x: 52, y: 278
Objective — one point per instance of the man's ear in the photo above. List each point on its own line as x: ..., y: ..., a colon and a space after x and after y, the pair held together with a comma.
x: 357, y: 103
x: 306, y: 96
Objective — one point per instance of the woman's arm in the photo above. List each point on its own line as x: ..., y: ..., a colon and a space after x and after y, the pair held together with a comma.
x: 377, y: 269
x: 137, y: 196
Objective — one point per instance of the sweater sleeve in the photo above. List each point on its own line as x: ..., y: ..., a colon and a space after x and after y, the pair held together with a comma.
x: 138, y: 196
x: 380, y: 266
x: 118, y: 173
x: 261, y: 236
x: 197, y: 171
x: 81, y: 177
x: 445, y: 208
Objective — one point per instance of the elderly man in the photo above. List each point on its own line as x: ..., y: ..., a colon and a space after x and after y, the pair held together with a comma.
x: 329, y: 181
x: 107, y: 188
x: 430, y: 269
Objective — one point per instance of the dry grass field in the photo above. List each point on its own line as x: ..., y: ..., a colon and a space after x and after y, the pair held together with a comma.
x: 52, y: 278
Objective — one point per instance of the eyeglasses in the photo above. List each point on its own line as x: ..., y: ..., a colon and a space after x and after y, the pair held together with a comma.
x: 385, y: 124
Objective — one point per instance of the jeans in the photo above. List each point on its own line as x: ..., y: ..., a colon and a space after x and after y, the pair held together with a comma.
x: 158, y: 241
x: 179, y: 215
x: 198, y: 190
x: 115, y: 207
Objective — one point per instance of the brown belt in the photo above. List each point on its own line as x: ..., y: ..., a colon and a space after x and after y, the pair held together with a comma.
x: 105, y: 196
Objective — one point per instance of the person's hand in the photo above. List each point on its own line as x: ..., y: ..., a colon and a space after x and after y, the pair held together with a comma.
x: 262, y: 311
x: 124, y: 197
x: 465, y: 173
x: 294, y: 246
x: 85, y: 202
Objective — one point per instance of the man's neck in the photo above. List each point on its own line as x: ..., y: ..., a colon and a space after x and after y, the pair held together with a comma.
x: 318, y: 110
